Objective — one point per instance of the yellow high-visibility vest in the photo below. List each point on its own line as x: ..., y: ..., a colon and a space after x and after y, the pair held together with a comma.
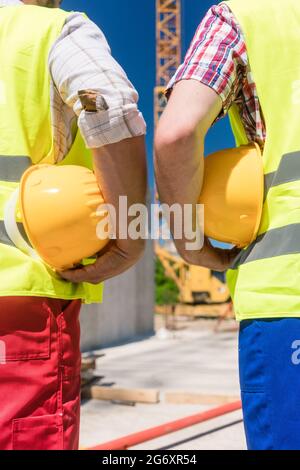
x: 265, y: 279
x: 27, y: 34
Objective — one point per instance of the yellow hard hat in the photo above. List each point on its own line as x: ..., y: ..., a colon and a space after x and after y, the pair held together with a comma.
x: 232, y: 194
x: 59, y: 208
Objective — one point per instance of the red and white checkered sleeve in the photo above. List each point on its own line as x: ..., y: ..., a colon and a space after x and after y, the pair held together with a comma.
x: 217, y: 56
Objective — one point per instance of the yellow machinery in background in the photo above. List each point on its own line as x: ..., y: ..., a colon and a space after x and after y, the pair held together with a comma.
x: 198, y: 287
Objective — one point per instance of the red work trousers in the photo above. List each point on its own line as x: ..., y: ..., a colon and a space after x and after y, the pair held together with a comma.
x: 39, y: 373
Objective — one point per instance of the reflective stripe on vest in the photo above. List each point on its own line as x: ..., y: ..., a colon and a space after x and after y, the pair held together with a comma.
x: 276, y: 242
x: 288, y: 171
x: 265, y: 278
x: 12, y: 168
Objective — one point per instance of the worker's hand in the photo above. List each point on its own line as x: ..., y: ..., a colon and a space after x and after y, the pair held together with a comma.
x: 217, y: 259
x: 120, y: 170
x: 116, y: 258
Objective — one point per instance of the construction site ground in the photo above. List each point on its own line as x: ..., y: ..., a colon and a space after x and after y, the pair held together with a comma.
x: 192, y: 368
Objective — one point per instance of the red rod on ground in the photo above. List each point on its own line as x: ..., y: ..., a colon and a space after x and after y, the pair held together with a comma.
x: 131, y: 440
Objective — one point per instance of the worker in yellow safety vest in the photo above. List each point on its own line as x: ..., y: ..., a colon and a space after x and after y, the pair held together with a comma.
x: 63, y: 100
x: 244, y: 59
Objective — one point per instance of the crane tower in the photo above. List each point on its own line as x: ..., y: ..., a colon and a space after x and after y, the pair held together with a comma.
x: 168, y: 48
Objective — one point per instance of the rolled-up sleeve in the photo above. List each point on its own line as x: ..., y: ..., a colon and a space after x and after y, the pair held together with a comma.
x: 90, y: 81
x: 217, y: 56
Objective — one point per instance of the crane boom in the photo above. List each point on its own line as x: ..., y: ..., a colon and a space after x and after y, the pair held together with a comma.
x: 168, y: 48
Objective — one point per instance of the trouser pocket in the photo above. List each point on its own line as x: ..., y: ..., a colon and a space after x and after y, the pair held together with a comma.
x: 38, y: 433
x: 24, y: 330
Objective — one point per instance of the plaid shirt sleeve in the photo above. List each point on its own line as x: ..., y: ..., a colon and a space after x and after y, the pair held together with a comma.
x: 217, y: 56
x: 93, y: 86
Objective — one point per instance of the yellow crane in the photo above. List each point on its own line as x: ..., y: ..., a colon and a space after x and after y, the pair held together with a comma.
x: 168, y: 48
x: 196, y: 285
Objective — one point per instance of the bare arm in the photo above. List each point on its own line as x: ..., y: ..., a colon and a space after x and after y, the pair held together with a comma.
x: 120, y: 169
x: 98, y: 90
x: 179, y: 162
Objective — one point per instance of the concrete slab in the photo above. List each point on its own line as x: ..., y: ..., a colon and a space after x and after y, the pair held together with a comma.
x: 224, y: 433
x: 189, y: 360
x: 104, y: 421
x: 193, y: 359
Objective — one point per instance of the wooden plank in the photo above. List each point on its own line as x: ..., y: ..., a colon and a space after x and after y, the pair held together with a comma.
x: 121, y: 394
x: 190, y: 398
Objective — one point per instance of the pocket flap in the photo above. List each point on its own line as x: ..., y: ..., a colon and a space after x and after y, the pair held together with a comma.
x: 38, y: 433
x: 24, y: 330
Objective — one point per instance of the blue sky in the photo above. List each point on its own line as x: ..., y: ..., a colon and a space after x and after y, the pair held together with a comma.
x: 129, y: 26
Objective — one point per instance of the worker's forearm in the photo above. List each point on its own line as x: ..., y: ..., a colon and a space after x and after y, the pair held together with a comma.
x: 179, y: 146
x: 121, y: 170
x: 179, y: 168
